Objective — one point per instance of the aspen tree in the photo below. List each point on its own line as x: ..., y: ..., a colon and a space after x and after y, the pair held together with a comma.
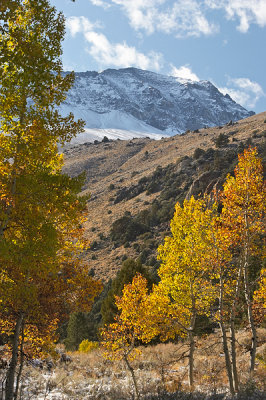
x: 40, y: 210
x: 243, y: 213
x: 131, y: 325
x: 185, y: 274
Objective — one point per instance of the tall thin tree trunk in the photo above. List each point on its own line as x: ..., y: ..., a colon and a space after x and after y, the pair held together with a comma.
x: 191, y: 358
x: 191, y: 345
x: 21, y: 362
x: 233, y: 351
x: 222, y: 326
x: 250, y: 320
x: 232, y: 329
x: 227, y: 358
x: 224, y: 337
x: 133, y: 376
x: 10, y: 380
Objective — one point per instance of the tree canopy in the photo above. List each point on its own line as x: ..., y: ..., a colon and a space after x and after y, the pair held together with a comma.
x: 41, y: 212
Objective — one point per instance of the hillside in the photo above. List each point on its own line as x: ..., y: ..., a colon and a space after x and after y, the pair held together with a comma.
x: 124, y: 178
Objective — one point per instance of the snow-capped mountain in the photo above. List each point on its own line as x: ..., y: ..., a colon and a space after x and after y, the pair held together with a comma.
x: 132, y: 102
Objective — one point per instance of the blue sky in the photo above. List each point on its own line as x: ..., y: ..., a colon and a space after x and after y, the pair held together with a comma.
x: 223, y: 41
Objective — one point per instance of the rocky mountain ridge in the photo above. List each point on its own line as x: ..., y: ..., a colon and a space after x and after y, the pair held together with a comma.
x: 145, y: 102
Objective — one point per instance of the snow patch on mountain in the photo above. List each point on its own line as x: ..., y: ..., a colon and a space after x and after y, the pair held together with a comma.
x: 114, y: 124
x: 90, y: 135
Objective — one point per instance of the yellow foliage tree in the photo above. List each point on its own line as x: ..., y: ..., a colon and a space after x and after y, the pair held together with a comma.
x: 186, y: 287
x: 131, y: 326
x: 40, y: 211
x: 219, y: 260
x: 243, y: 216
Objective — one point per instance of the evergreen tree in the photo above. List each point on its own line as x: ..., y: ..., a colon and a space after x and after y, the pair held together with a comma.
x: 129, y: 269
x: 77, y: 330
x: 94, y: 317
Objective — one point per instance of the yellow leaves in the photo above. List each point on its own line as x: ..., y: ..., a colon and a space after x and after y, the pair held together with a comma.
x: 259, y: 298
x: 4, y: 278
x: 86, y: 346
x: 82, y: 289
x: 244, y: 201
x: 40, y: 208
x: 196, y: 266
x: 133, y: 323
x: 6, y: 327
x: 39, y: 342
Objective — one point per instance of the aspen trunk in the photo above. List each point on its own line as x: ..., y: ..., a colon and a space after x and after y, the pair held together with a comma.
x: 233, y: 351
x: 191, y: 345
x: 131, y: 370
x: 247, y: 246
x: 227, y: 358
x: 10, y: 379
x: 21, y: 362
x: 232, y: 329
x: 224, y: 337
x: 191, y: 358
x: 250, y: 320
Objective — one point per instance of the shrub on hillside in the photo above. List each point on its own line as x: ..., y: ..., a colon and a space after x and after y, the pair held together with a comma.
x: 126, y: 229
x: 221, y: 140
x: 86, y: 346
x: 198, y: 153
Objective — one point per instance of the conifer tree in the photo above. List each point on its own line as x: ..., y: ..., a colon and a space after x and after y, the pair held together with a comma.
x: 76, y: 330
x: 129, y: 269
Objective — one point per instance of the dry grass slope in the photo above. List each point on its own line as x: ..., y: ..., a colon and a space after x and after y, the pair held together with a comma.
x: 119, y: 164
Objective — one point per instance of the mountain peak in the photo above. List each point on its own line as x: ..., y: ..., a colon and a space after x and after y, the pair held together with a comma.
x: 143, y: 101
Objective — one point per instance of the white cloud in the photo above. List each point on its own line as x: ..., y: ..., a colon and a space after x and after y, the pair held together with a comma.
x: 187, y: 17
x: 182, y: 18
x: 80, y: 24
x: 100, y: 3
x: 243, y: 91
x: 247, y: 11
x: 107, y: 53
x: 184, y: 73
x: 120, y: 54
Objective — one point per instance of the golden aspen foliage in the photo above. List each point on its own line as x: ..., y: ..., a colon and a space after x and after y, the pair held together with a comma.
x: 41, y: 212
x: 259, y: 298
x: 244, y: 202
x: 186, y: 275
x: 132, y: 324
x: 243, y: 218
